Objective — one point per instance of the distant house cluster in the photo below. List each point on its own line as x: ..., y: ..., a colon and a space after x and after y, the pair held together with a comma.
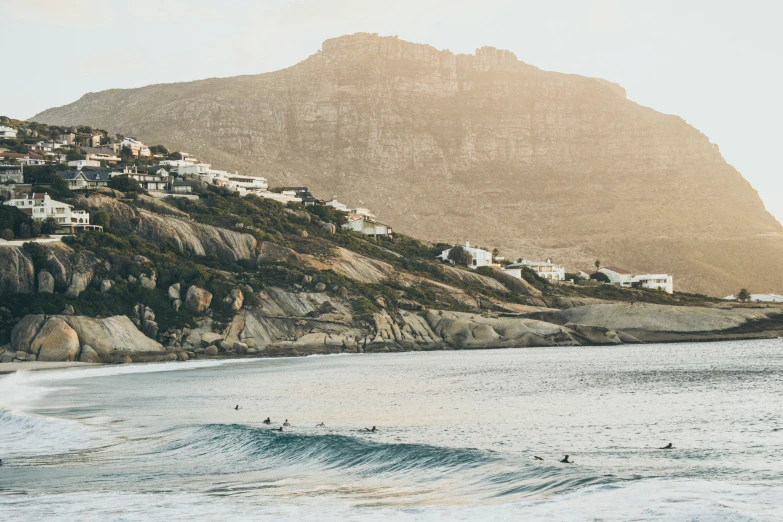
x: 625, y: 278
x: 41, y: 206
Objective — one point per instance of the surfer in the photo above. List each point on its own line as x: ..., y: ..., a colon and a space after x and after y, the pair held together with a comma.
x: 268, y: 421
x: 373, y: 430
x: 237, y: 407
x: 277, y: 429
x: 320, y: 425
x: 536, y: 457
x: 286, y: 423
x: 566, y: 461
x: 668, y: 446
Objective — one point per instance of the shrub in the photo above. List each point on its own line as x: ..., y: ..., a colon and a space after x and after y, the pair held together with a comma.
x: 7, y: 234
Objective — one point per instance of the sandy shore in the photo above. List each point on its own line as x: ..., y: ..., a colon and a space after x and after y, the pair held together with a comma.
x: 39, y: 365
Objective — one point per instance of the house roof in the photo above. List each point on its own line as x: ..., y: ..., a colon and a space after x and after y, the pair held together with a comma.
x: 38, y: 195
x: 616, y: 269
x: 89, y: 174
x: 156, y: 169
x: 98, y: 150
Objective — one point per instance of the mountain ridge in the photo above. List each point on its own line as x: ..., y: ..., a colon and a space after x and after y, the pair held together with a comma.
x: 483, y: 147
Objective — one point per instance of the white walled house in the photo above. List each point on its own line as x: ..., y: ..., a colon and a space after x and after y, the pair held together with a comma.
x: 100, y: 154
x: 286, y: 196
x: 244, y: 184
x: 84, y: 163
x: 654, y: 281
x: 479, y: 257
x: 7, y: 132
x: 137, y: 147
x: 11, y: 173
x: 40, y: 206
x: 342, y: 207
x: 617, y: 276
x: 366, y: 226
x: 544, y: 269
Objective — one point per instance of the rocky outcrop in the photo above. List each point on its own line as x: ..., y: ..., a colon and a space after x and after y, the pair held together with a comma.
x: 186, y: 236
x: 197, y: 300
x: 45, y: 282
x: 17, y: 274
x: 82, y: 273
x: 359, y: 267
x: 63, y: 338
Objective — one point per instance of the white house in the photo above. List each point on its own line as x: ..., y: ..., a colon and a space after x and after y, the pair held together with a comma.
x: 479, y: 257
x: 11, y: 173
x: 654, y: 281
x: 366, y: 226
x: 243, y: 184
x: 185, y: 169
x: 41, y: 206
x: 360, y: 211
x: 617, y: 276
x: 7, y: 132
x: 286, y: 196
x: 100, y: 154
x: 137, y: 148
x: 544, y: 269
x: 84, y: 163
x: 85, y: 178
x: 342, y: 207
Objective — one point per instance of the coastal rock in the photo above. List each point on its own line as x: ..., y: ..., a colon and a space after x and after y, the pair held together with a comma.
x: 106, y: 285
x: 82, y: 274
x: 269, y: 252
x: 148, y: 282
x: 68, y: 310
x: 329, y: 227
x: 176, y: 304
x: 17, y: 274
x: 197, y: 300
x: 45, y: 282
x: 55, y: 341
x: 210, y: 338
x: 25, y: 331
x: 88, y: 355
x: 406, y: 304
x: 211, y: 350
x: 320, y: 287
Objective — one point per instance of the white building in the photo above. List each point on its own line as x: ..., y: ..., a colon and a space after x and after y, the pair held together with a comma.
x: 479, y: 257
x: 242, y: 184
x: 41, y: 206
x: 84, y: 163
x: 7, y: 132
x: 624, y: 278
x: 544, y: 269
x: 336, y: 205
x: 100, y: 154
x: 368, y: 227
x: 617, y: 276
x: 137, y: 148
x: 360, y: 211
x: 286, y: 196
x: 654, y: 281
x: 11, y: 173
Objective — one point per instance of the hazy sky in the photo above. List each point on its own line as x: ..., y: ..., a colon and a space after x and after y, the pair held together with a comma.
x: 715, y: 63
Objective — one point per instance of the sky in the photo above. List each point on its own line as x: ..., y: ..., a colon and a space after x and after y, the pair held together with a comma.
x: 717, y: 63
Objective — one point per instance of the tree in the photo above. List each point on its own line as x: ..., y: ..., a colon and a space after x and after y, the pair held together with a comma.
x: 743, y: 295
x: 74, y: 155
x: 597, y: 264
x: 7, y: 234
x: 495, y: 253
x: 124, y: 184
x: 159, y: 149
x: 49, y: 226
x: 126, y: 152
x: 460, y: 256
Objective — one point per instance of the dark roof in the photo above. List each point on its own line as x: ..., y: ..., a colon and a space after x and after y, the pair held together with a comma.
x: 181, y: 184
x: 156, y: 168
x: 89, y: 174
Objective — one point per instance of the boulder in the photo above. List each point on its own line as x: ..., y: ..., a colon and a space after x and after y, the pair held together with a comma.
x: 210, y: 338
x: 225, y: 346
x: 140, y: 259
x: 302, y: 233
x: 237, y: 299
x: 56, y: 341
x: 131, y: 279
x: 25, y: 331
x: 89, y: 355
x: 106, y: 285
x: 174, y: 292
x: 406, y: 304
x: 148, y: 282
x: 320, y: 287
x: 329, y: 227
x: 45, y: 282
x: 68, y: 310
x: 182, y: 356
x: 150, y: 329
x: 250, y: 342
x: 212, y: 350
x: 197, y: 300
x: 240, y: 347
x: 306, y: 280
x: 176, y: 304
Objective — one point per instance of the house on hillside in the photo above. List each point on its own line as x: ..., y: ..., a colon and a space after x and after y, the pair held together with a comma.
x: 617, y: 276
x: 342, y: 207
x: 11, y: 174
x: 365, y: 225
x: 304, y: 194
x: 284, y: 197
x: 179, y: 187
x: 31, y: 158
x: 478, y: 256
x: 137, y: 148
x: 40, y: 207
x: 243, y: 184
x: 7, y: 133
x: 86, y: 178
x: 663, y: 282
x: 80, y: 164
x: 544, y: 269
x: 100, y: 154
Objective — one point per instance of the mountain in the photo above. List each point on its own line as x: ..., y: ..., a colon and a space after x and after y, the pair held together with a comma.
x: 481, y: 147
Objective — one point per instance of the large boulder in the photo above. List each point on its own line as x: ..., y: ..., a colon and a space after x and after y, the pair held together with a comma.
x: 197, y: 300
x: 83, y: 273
x: 174, y: 292
x: 88, y: 355
x: 25, y: 331
x: 56, y: 341
x: 115, y: 333
x: 45, y: 282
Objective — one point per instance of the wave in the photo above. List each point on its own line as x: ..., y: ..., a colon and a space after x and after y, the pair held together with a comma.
x: 24, y: 435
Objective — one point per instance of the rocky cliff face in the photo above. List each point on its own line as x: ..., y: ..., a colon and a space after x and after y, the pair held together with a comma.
x: 481, y: 147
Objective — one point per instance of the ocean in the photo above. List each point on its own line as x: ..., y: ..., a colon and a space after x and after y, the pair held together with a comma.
x: 456, y: 440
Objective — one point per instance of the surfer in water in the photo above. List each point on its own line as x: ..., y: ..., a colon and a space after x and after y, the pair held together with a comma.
x: 237, y: 407
x: 320, y: 425
x: 268, y: 421
x: 373, y: 430
x: 536, y: 457
x: 566, y: 461
x: 286, y: 423
x: 668, y: 446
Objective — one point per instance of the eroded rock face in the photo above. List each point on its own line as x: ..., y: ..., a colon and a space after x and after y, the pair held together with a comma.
x: 197, y: 300
x: 17, y: 274
x: 45, y: 282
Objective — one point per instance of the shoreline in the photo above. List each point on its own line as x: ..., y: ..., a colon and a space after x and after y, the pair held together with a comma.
x: 35, y: 366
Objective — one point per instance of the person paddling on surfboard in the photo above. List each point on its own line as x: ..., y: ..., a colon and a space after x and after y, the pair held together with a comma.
x: 566, y: 461
x: 668, y: 446
x: 373, y: 430
x: 535, y: 457
x: 268, y: 421
x: 237, y: 407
